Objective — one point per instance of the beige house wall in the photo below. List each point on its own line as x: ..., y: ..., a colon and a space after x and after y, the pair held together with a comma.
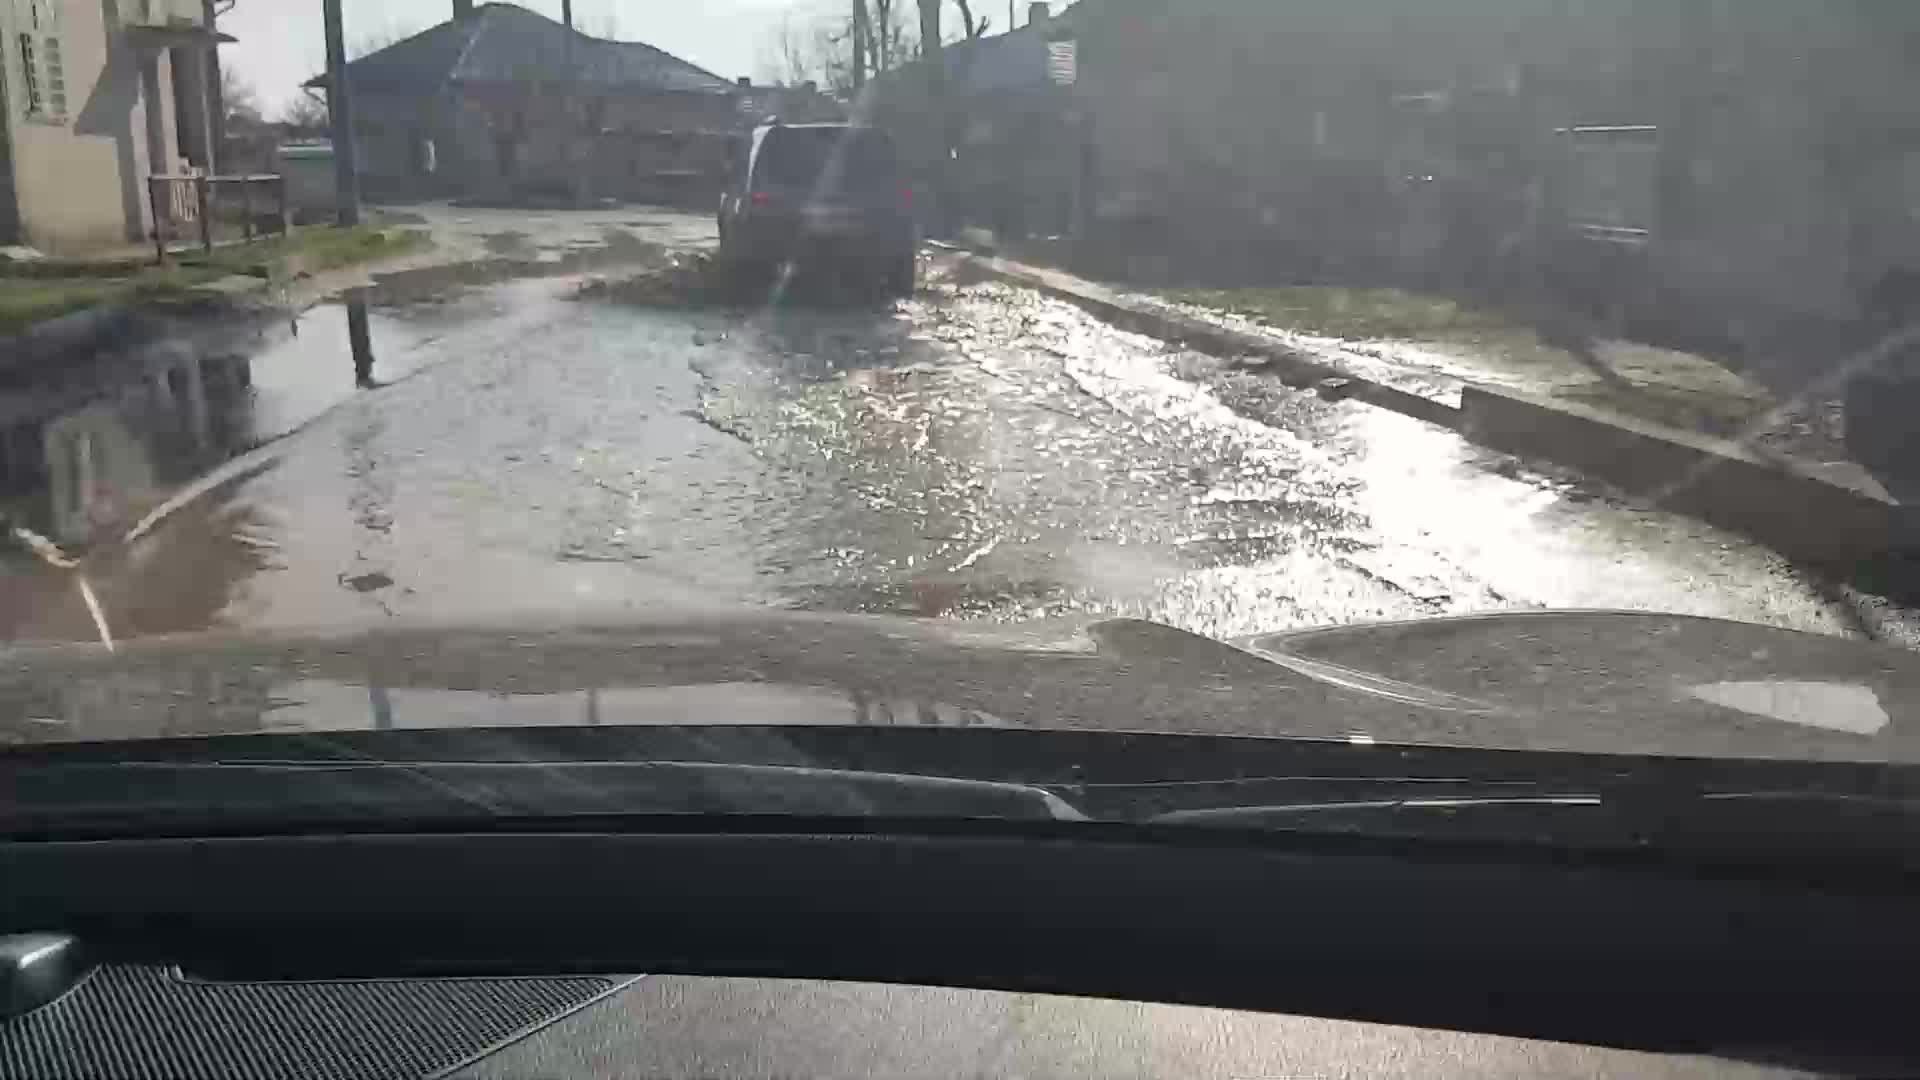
x: 80, y: 178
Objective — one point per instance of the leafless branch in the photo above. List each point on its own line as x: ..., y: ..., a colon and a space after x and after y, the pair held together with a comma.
x: 974, y: 28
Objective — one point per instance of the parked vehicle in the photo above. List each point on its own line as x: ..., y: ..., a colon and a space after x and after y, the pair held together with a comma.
x: 820, y: 194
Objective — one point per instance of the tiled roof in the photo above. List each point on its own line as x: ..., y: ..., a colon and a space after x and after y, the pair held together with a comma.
x: 508, y: 43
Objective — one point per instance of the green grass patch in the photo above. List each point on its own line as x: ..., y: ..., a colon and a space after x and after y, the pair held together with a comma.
x: 119, y: 266
x: 25, y: 301
x: 1348, y: 313
x: 1695, y: 410
x: 313, y: 248
x: 51, y: 289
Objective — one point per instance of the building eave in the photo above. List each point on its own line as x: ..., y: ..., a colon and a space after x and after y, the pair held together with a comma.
x: 162, y: 36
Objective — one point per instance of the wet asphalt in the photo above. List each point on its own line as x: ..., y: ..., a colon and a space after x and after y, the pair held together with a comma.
x: 977, y: 452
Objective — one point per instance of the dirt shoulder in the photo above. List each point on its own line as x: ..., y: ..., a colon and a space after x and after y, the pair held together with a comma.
x: 34, y: 292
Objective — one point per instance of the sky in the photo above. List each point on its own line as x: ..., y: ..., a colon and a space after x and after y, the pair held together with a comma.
x: 281, y: 43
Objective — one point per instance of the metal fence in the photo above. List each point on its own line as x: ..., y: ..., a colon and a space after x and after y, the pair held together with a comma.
x: 215, y: 209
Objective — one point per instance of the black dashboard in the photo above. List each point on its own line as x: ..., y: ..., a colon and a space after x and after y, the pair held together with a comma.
x: 518, y: 945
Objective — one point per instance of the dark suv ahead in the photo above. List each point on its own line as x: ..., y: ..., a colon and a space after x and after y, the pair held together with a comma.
x: 819, y: 193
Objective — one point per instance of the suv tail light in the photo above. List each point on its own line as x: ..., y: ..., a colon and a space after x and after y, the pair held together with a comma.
x: 761, y: 198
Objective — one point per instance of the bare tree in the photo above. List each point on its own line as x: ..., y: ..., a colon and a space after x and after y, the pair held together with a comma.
x: 930, y: 35
x: 834, y: 51
x: 974, y: 27
x: 306, y: 115
x: 839, y: 53
x: 790, y: 57
x: 862, y: 29
x: 937, y: 132
x: 242, y: 102
x: 883, y: 29
x: 888, y: 30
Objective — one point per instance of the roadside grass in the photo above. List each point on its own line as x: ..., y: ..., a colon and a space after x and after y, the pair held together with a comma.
x: 25, y: 301
x: 312, y: 248
x: 37, y: 291
x: 1663, y: 386
x: 1721, y: 413
x: 1345, y: 312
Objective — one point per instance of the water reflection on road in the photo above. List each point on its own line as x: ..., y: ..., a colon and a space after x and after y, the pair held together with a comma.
x: 978, y: 452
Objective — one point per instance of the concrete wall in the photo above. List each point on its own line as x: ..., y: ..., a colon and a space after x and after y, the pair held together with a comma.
x: 80, y: 178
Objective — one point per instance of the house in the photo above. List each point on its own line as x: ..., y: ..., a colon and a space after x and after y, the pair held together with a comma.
x: 1016, y: 135
x: 802, y: 104
x: 95, y: 96
x: 502, y: 102
x: 1750, y: 168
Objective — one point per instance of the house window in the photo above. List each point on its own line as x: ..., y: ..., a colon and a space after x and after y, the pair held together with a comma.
x: 42, y: 62
x: 56, y: 77
x: 30, y: 69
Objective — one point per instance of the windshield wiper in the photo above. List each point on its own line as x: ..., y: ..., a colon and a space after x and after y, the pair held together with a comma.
x: 1661, y: 809
x: 147, y: 796
x: 1238, y: 815
x: 1773, y: 831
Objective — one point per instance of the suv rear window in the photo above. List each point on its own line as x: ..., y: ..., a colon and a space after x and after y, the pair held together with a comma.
x: 861, y: 159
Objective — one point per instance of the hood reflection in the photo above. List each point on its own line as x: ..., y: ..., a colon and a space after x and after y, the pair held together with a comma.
x: 318, y: 705
x: 1835, y: 706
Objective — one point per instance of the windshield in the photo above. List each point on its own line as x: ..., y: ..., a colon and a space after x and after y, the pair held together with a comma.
x: 846, y: 158
x: 1532, y: 378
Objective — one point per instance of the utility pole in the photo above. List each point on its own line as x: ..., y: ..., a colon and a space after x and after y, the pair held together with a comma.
x: 862, y: 41
x: 939, y: 124
x: 215, y: 99
x: 346, y: 182
x: 346, y: 164
x: 571, y: 118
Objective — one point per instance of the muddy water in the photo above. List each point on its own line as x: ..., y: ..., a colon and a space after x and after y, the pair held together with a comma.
x: 977, y: 452
x: 90, y: 452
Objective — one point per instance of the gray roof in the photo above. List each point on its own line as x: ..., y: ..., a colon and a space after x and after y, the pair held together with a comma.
x: 508, y: 43
x: 1010, y: 62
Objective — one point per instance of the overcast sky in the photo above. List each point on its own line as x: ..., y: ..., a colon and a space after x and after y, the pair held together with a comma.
x: 281, y: 43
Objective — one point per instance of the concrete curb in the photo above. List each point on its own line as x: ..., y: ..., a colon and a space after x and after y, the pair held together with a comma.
x: 1783, y: 504
x: 1290, y: 366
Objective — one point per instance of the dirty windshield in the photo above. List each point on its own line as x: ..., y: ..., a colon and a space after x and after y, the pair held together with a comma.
x: 1495, y: 373
x: 805, y: 158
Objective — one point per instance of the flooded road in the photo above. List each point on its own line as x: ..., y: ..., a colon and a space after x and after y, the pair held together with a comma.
x: 979, y: 452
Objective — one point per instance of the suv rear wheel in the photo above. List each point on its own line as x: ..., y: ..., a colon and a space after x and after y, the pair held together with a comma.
x: 900, y: 274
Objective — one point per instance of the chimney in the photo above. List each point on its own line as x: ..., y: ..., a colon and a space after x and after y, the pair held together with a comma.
x: 462, y: 9
x: 744, y: 82
x: 1038, y: 13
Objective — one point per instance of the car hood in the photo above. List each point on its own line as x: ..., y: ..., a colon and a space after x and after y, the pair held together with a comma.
x: 1607, y: 682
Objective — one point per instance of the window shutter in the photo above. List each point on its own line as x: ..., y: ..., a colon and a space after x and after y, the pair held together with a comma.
x: 56, y: 77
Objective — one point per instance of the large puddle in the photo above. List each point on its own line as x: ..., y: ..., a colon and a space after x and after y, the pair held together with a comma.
x: 93, y: 445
